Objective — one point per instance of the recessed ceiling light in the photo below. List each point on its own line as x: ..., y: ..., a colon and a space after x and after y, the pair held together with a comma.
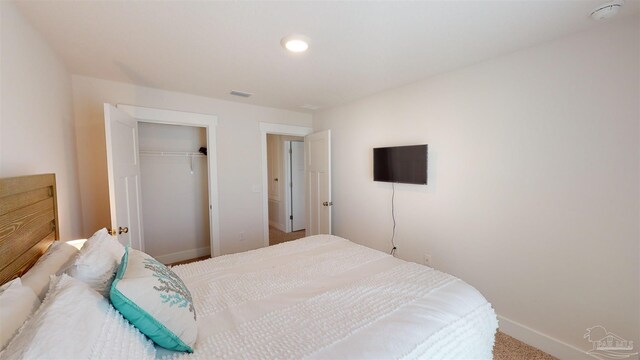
x: 310, y: 107
x: 295, y: 43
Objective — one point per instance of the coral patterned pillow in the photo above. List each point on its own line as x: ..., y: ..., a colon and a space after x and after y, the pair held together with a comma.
x: 155, y: 300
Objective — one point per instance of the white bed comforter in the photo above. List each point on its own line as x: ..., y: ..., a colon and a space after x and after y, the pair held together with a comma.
x: 324, y: 297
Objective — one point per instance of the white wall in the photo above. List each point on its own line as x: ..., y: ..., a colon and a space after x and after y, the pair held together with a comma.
x: 238, y: 142
x: 175, y: 197
x: 36, y: 125
x: 533, y: 193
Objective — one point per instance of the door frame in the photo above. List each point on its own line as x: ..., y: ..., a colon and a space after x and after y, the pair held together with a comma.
x: 209, y: 122
x: 274, y: 129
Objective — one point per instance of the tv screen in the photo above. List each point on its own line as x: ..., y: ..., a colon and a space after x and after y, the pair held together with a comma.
x: 400, y: 164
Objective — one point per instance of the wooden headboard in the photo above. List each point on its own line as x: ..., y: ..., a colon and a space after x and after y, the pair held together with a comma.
x: 28, y: 222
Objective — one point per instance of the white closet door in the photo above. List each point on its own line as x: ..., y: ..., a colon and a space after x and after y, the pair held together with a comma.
x: 123, y: 166
x: 318, y: 182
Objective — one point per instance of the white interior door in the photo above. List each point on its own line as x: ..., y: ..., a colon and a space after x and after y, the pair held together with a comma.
x: 124, y: 176
x: 297, y: 185
x: 318, y: 182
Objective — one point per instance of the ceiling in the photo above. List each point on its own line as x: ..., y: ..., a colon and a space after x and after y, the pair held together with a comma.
x: 357, y: 48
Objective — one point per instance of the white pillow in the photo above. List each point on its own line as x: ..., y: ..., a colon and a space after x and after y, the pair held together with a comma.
x: 54, y: 261
x: 17, y: 303
x: 75, y: 322
x: 98, y: 261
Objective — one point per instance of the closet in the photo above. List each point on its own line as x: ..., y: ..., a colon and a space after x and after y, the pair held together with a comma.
x: 175, y: 195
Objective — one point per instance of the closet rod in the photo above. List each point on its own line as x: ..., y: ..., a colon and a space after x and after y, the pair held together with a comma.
x: 170, y: 153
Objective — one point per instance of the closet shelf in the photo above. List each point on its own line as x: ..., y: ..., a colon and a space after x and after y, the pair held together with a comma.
x: 170, y: 153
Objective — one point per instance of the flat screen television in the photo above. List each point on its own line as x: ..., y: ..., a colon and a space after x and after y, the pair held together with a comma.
x: 401, y: 164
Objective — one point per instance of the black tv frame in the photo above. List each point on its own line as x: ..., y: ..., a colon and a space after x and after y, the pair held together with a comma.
x: 384, y: 176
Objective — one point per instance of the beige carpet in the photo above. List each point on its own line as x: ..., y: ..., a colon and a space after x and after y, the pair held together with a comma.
x: 276, y: 236
x: 508, y: 348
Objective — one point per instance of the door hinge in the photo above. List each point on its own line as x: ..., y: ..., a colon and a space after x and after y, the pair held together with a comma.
x: 290, y: 151
x: 290, y: 217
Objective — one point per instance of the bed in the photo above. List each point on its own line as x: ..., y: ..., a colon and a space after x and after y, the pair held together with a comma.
x: 325, y: 297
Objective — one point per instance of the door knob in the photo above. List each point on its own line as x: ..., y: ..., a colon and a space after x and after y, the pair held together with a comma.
x: 123, y: 230
x: 327, y: 203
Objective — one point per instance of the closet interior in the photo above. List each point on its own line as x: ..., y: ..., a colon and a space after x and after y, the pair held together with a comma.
x: 175, y: 193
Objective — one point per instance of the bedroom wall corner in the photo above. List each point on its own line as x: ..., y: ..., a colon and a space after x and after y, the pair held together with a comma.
x: 37, y: 134
x: 534, y: 173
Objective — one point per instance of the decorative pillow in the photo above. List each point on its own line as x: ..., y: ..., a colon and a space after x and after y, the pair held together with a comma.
x: 98, y: 261
x: 75, y: 322
x: 155, y: 300
x: 17, y: 303
x: 55, y: 260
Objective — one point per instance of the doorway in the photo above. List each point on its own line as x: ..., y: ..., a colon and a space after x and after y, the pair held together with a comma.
x: 285, y: 173
x: 287, y: 133
x: 175, y: 196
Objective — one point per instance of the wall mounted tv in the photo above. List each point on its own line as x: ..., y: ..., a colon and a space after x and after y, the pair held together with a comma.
x: 401, y: 164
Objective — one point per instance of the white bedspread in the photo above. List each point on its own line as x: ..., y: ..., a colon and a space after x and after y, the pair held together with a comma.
x: 324, y: 297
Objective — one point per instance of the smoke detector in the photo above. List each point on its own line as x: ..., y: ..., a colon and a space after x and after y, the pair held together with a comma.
x: 607, y: 10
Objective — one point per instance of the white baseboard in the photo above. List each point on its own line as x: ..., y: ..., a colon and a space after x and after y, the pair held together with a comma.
x: 183, y: 255
x: 544, y: 342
